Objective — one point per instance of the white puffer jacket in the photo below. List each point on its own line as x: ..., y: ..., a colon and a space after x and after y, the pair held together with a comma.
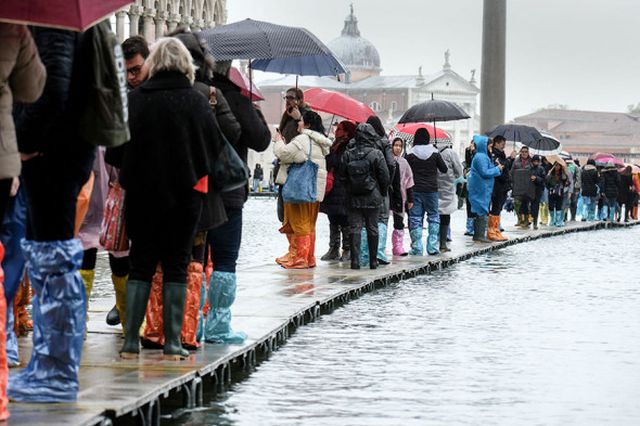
x: 297, y: 151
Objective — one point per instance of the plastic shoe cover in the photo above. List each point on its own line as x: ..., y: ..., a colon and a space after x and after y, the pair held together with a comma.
x: 311, y: 256
x: 364, y: 248
x: 203, y: 302
x: 469, y: 228
x: 416, y: 242
x: 59, y: 311
x: 13, y: 358
x: 382, y: 242
x: 397, y: 240
x: 152, y: 338
x: 222, y: 293
x: 192, y: 306
x: 301, y: 258
x: 433, y: 238
x: 4, y: 369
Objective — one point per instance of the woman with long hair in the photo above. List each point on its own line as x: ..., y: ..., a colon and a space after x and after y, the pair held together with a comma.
x: 557, y: 181
x: 400, y: 205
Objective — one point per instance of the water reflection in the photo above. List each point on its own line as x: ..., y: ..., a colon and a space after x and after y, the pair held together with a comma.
x: 539, y: 333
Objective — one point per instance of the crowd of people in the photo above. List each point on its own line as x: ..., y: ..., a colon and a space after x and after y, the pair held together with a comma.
x: 176, y: 281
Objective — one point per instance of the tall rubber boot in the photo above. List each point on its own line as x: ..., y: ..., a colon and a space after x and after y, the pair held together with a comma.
x: 191, y: 307
x: 416, y: 242
x: 469, y: 229
x: 301, y: 258
x: 356, y: 246
x: 397, y: 240
x: 612, y: 214
x: 480, y: 229
x: 136, y: 305
x: 4, y: 368
x: 173, y: 299
x: 364, y: 247
x: 291, y: 251
x: 13, y: 358
x: 561, y: 218
x: 443, y: 239
x: 382, y: 244
x: 120, y: 287
x: 222, y: 294
x: 334, y: 243
x: 152, y: 336
x: 311, y: 257
x: 493, y: 229
x: 544, y: 214
x: 59, y: 311
x: 372, y: 243
x: 88, y: 275
x: 346, y: 244
x: 433, y: 236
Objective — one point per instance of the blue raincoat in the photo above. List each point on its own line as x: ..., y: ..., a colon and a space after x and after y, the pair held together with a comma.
x: 480, y: 180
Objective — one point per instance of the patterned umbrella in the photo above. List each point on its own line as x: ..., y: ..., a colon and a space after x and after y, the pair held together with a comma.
x: 602, y: 158
x: 408, y: 131
x: 77, y: 15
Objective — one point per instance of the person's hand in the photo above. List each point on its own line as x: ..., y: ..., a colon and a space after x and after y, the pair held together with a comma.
x: 27, y: 157
x: 512, y: 155
x: 409, y: 206
x: 295, y: 113
x: 501, y: 167
x: 15, y: 185
x: 533, y: 178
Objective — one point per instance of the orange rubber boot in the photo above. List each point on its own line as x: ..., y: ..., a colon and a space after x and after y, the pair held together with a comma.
x: 192, y: 307
x: 493, y: 230
x: 300, y: 257
x: 289, y: 254
x: 153, y: 337
x: 4, y: 368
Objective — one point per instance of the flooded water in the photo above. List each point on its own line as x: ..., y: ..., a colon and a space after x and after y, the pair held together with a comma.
x: 546, y: 332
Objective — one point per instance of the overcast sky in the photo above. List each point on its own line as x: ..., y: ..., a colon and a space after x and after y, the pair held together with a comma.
x: 582, y: 53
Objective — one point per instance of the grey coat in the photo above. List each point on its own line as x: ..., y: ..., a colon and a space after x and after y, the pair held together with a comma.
x: 447, y: 201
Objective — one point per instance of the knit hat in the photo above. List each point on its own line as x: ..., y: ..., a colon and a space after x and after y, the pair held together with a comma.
x: 536, y: 158
x: 421, y: 137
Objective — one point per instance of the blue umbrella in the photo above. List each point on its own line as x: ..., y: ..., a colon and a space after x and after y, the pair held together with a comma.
x: 319, y: 65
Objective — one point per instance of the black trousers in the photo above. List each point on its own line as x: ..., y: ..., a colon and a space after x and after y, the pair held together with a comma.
x: 166, y: 237
x: 398, y: 221
x: 119, y: 265
x: 555, y: 202
x: 535, y: 208
x: 53, y: 182
x: 498, y: 199
x: 364, y: 217
x: 445, y: 221
x: 5, y: 189
x: 525, y: 206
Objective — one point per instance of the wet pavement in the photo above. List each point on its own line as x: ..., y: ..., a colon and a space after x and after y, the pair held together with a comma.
x: 270, y: 302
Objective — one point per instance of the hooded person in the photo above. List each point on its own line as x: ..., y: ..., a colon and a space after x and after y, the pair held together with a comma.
x: 589, y: 190
x: 425, y: 162
x: 334, y: 203
x: 609, y: 182
x: 447, y: 198
x: 480, y: 186
x: 367, y: 179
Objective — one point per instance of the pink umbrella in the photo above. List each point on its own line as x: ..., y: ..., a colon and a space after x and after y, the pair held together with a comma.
x: 337, y: 103
x: 602, y: 158
x: 407, y: 132
x: 75, y: 15
x: 241, y: 80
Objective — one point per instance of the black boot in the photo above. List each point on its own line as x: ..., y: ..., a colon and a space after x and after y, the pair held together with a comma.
x: 173, y: 297
x: 443, y: 239
x: 137, y: 298
x: 334, y: 243
x: 346, y: 244
x: 355, y: 250
x: 113, y: 317
x: 373, y: 251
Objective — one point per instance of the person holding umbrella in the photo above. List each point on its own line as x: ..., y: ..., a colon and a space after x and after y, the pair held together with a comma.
x: 522, y: 162
x: 538, y: 177
x: 609, y: 182
x: 501, y: 187
x: 589, y: 190
x: 480, y: 186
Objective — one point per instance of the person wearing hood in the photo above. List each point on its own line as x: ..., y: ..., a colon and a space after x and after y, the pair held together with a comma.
x: 589, y: 190
x: 367, y: 179
x: 557, y: 181
x: 447, y: 199
x: 609, y: 183
x: 334, y: 204
x: 425, y: 162
x: 538, y: 177
x: 300, y: 219
x: 480, y: 186
x: 382, y: 144
x: 399, y: 205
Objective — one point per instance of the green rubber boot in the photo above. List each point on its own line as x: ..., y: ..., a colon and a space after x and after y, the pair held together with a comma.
x: 136, y: 306
x: 173, y: 297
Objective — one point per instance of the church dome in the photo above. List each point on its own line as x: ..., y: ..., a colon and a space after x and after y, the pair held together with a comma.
x: 356, y: 52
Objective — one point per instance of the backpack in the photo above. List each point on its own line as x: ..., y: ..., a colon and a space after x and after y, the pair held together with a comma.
x: 361, y: 181
x: 105, y: 114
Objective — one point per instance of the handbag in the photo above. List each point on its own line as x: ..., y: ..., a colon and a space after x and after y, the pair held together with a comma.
x: 229, y: 171
x: 301, y: 184
x: 113, y: 235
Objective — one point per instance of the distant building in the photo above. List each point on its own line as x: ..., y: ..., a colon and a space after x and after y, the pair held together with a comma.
x: 388, y: 96
x: 583, y: 133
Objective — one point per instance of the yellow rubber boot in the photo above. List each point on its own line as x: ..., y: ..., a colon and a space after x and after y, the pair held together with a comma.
x: 120, y: 286
x: 88, y: 275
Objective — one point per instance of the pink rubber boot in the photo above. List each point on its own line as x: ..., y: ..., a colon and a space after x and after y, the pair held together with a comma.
x: 397, y: 239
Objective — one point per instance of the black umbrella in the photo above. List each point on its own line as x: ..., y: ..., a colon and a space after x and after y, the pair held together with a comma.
x: 526, y: 135
x: 432, y: 111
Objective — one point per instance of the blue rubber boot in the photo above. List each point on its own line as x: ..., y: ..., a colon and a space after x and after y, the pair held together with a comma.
x: 612, y: 214
x: 364, y: 248
x: 203, y: 299
x: 382, y: 244
x: 59, y: 310
x: 13, y: 359
x: 433, y: 238
x: 469, y: 229
x: 416, y: 242
x: 222, y: 293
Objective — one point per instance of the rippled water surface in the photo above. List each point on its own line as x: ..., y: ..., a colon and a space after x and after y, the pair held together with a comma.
x: 546, y: 332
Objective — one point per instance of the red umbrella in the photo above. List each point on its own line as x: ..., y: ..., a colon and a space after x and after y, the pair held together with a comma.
x: 602, y: 158
x: 241, y: 80
x: 337, y: 104
x: 75, y: 15
x: 407, y: 131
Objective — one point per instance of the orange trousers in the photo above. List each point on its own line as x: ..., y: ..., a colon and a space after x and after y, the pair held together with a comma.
x: 300, y: 219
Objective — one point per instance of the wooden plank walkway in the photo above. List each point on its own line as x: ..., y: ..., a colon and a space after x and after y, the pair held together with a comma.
x: 271, y: 302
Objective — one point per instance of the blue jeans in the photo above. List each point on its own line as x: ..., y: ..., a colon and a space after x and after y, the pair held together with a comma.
x: 256, y: 182
x: 423, y: 202
x: 224, y: 242
x: 590, y: 204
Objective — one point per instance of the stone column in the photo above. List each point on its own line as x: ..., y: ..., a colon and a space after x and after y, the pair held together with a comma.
x: 492, y: 96
x: 160, y: 20
x: 173, y: 21
x: 147, y: 24
x: 120, y: 25
x: 135, y: 11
